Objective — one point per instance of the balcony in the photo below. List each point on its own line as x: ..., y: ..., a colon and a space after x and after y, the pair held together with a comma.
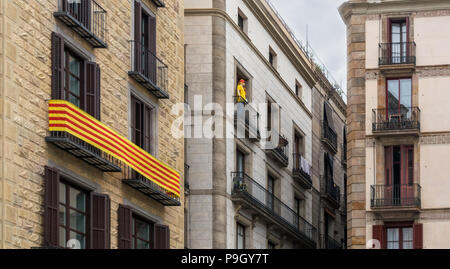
x: 279, y: 149
x: 405, y: 121
x: 139, y: 182
x: 246, y: 120
x: 329, y: 137
x: 86, y: 18
x: 80, y: 134
x: 255, y: 197
x: 148, y: 70
x: 396, y: 197
x: 186, y: 176
x: 328, y: 242
x: 330, y: 191
x: 84, y: 151
x: 397, y: 55
x: 302, y: 171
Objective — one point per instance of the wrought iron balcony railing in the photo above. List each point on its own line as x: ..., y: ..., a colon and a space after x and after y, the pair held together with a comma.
x: 328, y: 242
x: 330, y: 190
x: 403, y: 119
x: 397, y: 53
x: 137, y: 181
x: 246, y: 120
x: 397, y: 195
x: 329, y: 136
x: 302, y: 171
x: 260, y: 197
x: 85, y: 17
x: 280, y: 150
x: 148, y: 70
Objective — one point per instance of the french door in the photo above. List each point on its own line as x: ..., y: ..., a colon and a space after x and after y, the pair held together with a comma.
x: 399, y: 99
x: 399, y: 41
x: 399, y: 175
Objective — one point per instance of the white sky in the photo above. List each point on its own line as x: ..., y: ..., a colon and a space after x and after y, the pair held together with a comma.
x: 326, y: 31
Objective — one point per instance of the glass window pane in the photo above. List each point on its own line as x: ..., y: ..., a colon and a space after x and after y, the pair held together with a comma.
x: 62, y: 215
x: 74, y: 85
x: 62, y: 237
x: 393, y: 237
x: 62, y: 193
x: 77, y: 199
x: 405, y: 98
x: 80, y: 238
x: 143, y: 230
x: 74, y: 66
x: 142, y: 244
x: 77, y: 221
x: 393, y: 97
x: 74, y: 100
x: 407, y: 238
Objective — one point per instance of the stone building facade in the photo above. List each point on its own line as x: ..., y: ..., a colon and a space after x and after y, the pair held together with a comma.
x: 243, y: 192
x: 397, y: 125
x: 81, y: 55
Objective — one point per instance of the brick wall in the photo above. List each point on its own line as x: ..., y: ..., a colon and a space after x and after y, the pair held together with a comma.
x: 25, y: 71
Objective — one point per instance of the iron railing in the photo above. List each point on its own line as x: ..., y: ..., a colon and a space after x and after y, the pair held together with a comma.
x: 267, y: 201
x: 281, y: 149
x: 87, y: 18
x: 396, y: 195
x: 247, y: 114
x: 84, y: 151
x: 329, y: 135
x: 405, y: 118
x: 137, y: 181
x: 330, y: 189
x: 302, y: 168
x: 148, y: 69
x: 397, y: 53
x: 329, y: 242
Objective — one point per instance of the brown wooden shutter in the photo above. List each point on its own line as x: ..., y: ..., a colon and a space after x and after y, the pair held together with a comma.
x: 147, y: 128
x: 125, y: 222
x: 51, y: 207
x: 133, y: 119
x: 100, y: 221
x: 92, y: 103
x: 57, y: 66
x: 418, y: 236
x: 379, y: 233
x: 86, y: 13
x: 137, y: 36
x: 162, y: 236
x: 152, y: 62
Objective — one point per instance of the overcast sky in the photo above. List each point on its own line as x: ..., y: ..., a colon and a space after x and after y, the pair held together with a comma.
x: 326, y: 31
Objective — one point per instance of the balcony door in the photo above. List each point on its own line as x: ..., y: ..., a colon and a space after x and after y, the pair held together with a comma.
x: 145, y: 38
x: 399, y: 99
x: 399, y: 41
x: 399, y: 170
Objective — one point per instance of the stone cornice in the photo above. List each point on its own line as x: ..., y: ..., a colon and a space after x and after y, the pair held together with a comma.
x: 220, y: 13
x: 369, y: 8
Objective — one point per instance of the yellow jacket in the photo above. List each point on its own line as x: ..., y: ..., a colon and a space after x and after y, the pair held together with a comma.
x: 242, y: 97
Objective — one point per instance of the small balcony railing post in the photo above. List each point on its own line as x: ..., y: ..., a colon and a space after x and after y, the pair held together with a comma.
x: 396, y: 195
x: 397, y: 53
x: 245, y: 113
x: 406, y: 118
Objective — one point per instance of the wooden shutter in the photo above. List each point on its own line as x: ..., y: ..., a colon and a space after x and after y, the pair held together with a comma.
x: 162, y: 236
x: 137, y: 35
x: 100, y: 221
x: 86, y: 13
x: 152, y: 61
x: 51, y: 207
x: 93, y: 89
x: 329, y: 116
x: 147, y: 128
x: 379, y: 233
x: 418, y: 236
x: 57, y: 66
x: 133, y: 119
x: 125, y: 223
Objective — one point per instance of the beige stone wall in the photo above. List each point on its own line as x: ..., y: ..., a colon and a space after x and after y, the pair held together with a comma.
x: 25, y: 79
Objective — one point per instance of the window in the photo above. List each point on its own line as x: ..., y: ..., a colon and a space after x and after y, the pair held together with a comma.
x: 402, y: 235
x: 298, y: 89
x: 77, y: 214
x: 400, y: 238
x: 242, y: 21
x: 240, y: 161
x: 240, y: 236
x: 328, y: 161
x: 241, y: 74
x: 271, y: 191
x: 399, y: 99
x: 74, y: 78
x: 399, y: 39
x: 399, y: 174
x: 73, y: 215
x: 141, y: 233
x: 271, y: 245
x: 141, y: 124
x: 272, y: 58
